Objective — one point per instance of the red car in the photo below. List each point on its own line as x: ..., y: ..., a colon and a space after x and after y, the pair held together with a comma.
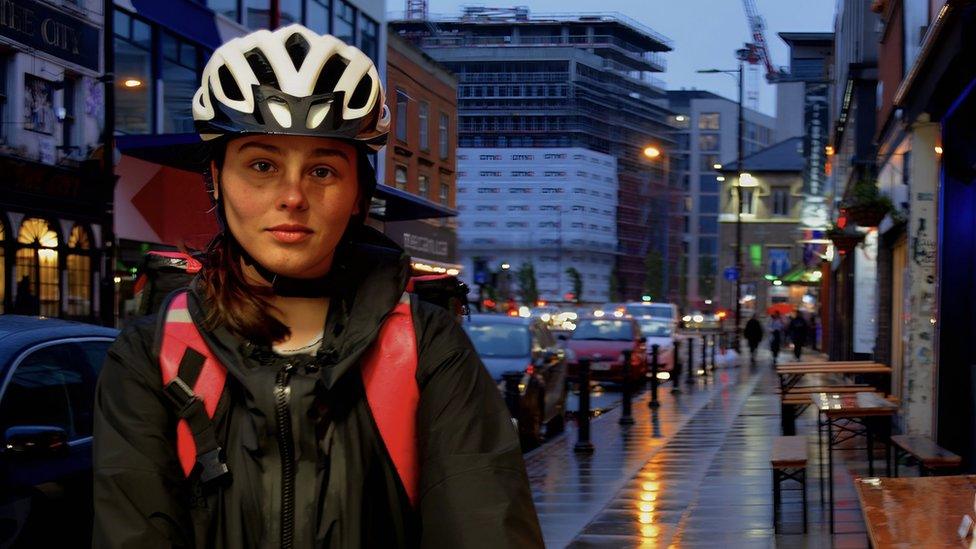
x: 603, y: 341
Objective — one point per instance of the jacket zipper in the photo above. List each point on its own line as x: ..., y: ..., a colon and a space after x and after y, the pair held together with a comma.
x: 286, y: 450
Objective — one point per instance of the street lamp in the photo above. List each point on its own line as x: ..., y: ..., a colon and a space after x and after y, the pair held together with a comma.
x: 742, y: 55
x: 506, y: 266
x: 652, y: 152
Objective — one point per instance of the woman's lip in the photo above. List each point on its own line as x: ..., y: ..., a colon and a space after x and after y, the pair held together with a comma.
x: 290, y: 237
x: 287, y: 227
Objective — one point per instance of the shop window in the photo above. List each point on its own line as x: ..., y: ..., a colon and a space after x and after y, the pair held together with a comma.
x: 369, y: 43
x: 424, y: 117
x: 37, y: 269
x: 79, y: 272
x: 400, y: 177
x: 257, y: 13
x: 423, y: 185
x: 345, y: 22
x: 180, y: 82
x: 317, y: 16
x: 133, y: 81
x: 401, y: 114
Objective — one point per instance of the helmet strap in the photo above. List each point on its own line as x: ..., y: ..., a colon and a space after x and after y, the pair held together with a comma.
x: 286, y: 286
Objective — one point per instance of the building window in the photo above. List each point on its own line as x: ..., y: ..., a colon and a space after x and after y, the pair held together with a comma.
x: 227, y: 8
x: 4, y: 62
x: 781, y: 200
x: 708, y: 121
x: 748, y: 199
x: 708, y: 162
x: 707, y: 184
x: 369, y: 32
x: 37, y: 269
x: 3, y: 265
x: 317, y: 16
x: 345, y: 22
x: 257, y: 14
x: 708, y: 224
x: 445, y: 195
x: 424, y: 126
x: 779, y: 261
x: 68, y: 103
x: 423, y: 185
x: 133, y: 69
x: 443, y: 136
x: 400, y: 177
x: 401, y: 114
x: 708, y: 204
x: 291, y: 11
x: 707, y: 245
x: 79, y: 273
x: 708, y: 142
x: 180, y: 82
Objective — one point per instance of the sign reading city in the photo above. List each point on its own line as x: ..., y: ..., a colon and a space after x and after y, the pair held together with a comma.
x: 52, y: 31
x: 816, y: 120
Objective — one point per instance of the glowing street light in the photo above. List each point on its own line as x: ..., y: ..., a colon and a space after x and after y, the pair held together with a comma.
x: 717, y: 166
x: 132, y: 83
x: 652, y: 152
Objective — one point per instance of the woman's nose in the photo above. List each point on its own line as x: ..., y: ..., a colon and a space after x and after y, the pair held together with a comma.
x: 292, y: 194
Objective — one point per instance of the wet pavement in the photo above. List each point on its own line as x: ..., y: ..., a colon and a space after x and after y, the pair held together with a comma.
x: 694, y: 473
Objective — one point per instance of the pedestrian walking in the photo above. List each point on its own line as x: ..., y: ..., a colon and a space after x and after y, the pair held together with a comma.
x: 798, y: 329
x: 754, y: 335
x: 776, y: 327
x: 298, y: 304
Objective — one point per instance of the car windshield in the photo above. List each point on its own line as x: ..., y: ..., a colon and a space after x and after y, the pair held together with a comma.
x: 606, y: 330
x: 656, y: 329
x: 656, y: 311
x: 499, y: 340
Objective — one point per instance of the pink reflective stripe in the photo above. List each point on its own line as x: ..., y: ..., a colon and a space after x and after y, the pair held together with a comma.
x: 192, y: 265
x: 389, y: 374
x: 180, y: 333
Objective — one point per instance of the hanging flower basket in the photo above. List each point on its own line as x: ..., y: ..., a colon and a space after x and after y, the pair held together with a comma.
x: 844, y: 241
x: 864, y: 205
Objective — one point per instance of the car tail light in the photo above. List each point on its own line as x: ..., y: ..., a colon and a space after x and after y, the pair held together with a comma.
x: 529, y: 370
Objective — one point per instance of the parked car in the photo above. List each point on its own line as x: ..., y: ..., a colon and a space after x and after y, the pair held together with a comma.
x: 659, y: 331
x: 522, y: 345
x: 659, y: 311
x: 701, y: 321
x: 603, y: 340
x: 48, y: 369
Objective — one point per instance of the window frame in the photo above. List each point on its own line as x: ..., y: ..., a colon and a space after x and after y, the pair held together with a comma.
x: 402, y: 109
x: 423, y: 117
x: 443, y: 135
x: 776, y: 192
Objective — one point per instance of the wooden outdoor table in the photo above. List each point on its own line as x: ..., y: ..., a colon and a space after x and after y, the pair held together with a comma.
x: 851, y: 414
x: 916, y: 512
x: 790, y: 375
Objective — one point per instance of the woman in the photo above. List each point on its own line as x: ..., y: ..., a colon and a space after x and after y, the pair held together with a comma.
x: 754, y: 335
x: 293, y: 293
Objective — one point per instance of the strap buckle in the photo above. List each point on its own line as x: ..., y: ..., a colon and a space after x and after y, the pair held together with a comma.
x: 212, y: 466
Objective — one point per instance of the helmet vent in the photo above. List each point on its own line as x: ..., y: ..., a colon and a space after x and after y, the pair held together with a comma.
x: 297, y: 48
x: 229, y: 84
x: 261, y: 67
x: 330, y: 75
x: 361, y: 94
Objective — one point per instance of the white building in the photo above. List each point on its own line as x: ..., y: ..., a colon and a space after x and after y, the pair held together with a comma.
x: 552, y: 207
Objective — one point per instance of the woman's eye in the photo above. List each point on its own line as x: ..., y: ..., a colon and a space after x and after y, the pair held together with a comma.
x: 322, y: 173
x: 262, y: 166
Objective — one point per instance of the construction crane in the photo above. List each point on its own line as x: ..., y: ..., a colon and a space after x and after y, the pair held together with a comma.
x: 760, y: 49
x: 417, y: 9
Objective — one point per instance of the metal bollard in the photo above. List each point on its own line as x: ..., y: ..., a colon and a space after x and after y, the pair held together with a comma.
x: 691, y: 361
x: 714, y: 345
x: 655, y: 349
x: 512, y: 380
x: 583, y: 444
x: 626, y: 418
x: 704, y: 362
x: 676, y: 368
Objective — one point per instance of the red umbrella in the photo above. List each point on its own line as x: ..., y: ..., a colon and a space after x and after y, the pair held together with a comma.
x: 781, y: 308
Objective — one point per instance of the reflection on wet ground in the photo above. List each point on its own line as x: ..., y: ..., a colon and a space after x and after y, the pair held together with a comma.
x: 694, y: 473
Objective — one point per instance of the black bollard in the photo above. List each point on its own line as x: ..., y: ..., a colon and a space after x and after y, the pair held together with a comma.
x: 583, y: 444
x: 676, y: 367
x: 704, y: 356
x: 691, y: 361
x: 714, y: 345
x: 626, y: 418
x: 512, y: 380
x: 655, y: 349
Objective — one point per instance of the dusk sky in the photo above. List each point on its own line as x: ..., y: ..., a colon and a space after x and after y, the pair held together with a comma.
x: 704, y: 33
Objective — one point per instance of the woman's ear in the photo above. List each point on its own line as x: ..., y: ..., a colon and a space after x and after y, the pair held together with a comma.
x: 215, y: 177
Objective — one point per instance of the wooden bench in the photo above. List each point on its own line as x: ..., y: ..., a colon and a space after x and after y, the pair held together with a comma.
x: 789, y: 462
x: 930, y: 456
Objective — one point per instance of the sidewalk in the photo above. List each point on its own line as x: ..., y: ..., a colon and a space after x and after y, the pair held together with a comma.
x: 696, y: 473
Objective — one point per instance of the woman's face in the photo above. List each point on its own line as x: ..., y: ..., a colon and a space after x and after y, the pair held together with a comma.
x: 288, y: 199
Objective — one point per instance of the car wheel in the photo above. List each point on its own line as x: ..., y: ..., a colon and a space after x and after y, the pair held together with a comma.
x: 530, y: 428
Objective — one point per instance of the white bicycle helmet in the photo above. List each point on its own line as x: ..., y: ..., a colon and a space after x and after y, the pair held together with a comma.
x: 291, y: 81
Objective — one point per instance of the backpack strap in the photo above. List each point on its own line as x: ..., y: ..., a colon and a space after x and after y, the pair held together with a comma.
x: 193, y: 379
x: 389, y: 370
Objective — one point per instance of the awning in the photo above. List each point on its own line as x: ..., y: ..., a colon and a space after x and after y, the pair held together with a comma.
x: 802, y: 275
x: 392, y: 204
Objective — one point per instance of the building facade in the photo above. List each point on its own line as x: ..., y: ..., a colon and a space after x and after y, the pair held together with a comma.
x: 421, y: 155
x: 706, y: 135
x: 53, y: 203
x: 772, y: 204
x: 570, y: 82
x: 551, y: 208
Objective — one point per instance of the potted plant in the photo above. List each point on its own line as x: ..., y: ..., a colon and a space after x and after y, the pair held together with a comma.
x: 844, y: 239
x: 864, y: 205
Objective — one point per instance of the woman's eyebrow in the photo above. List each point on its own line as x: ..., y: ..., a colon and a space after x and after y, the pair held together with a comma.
x: 330, y: 152
x: 262, y: 146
